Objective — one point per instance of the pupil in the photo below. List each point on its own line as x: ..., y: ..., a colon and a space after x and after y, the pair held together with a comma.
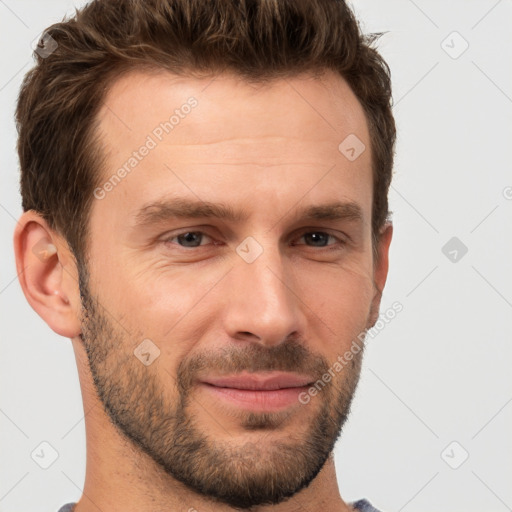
x: 189, y: 238
x: 318, y: 237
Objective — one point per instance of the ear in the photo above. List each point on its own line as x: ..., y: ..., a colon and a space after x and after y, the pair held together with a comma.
x: 380, y: 269
x: 48, y: 274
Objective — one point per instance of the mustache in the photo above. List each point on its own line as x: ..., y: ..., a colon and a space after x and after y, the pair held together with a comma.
x: 291, y: 356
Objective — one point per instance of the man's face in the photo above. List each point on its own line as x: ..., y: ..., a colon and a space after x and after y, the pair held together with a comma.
x: 266, y: 289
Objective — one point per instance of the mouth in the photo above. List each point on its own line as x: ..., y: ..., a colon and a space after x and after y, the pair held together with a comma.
x: 259, y: 392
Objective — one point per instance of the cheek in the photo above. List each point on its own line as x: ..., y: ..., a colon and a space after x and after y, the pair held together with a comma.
x: 168, y: 303
x: 340, y: 297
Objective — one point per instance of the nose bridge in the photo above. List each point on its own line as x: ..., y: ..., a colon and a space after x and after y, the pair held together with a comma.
x: 262, y: 303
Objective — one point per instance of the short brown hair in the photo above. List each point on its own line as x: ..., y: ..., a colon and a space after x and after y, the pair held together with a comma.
x: 259, y: 40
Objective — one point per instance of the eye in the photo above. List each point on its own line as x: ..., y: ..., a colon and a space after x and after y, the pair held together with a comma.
x: 194, y: 239
x: 319, y: 239
x: 188, y: 239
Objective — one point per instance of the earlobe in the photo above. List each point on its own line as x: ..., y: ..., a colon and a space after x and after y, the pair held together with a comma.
x: 47, y: 274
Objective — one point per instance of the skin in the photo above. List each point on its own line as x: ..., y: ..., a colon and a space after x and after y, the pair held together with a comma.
x: 157, y: 440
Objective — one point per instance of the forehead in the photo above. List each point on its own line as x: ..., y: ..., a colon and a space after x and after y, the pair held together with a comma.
x: 316, y: 109
x: 221, y: 136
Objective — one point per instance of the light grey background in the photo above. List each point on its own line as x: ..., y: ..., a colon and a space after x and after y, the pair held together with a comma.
x: 439, y: 372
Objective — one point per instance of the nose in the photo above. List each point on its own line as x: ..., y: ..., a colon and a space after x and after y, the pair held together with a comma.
x: 263, y: 304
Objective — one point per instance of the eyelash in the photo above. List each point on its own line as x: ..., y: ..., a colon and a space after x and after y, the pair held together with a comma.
x: 167, y: 241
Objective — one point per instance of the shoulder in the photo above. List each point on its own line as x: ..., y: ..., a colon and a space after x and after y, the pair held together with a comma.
x: 362, y: 506
x: 68, y: 507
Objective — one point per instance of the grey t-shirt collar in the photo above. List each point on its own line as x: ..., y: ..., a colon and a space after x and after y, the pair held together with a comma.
x: 360, y: 505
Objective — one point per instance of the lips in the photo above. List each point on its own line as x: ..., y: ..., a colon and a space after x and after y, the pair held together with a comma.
x: 261, y: 392
x: 260, y: 381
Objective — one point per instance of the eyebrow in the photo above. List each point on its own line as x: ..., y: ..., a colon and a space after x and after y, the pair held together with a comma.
x: 181, y: 208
